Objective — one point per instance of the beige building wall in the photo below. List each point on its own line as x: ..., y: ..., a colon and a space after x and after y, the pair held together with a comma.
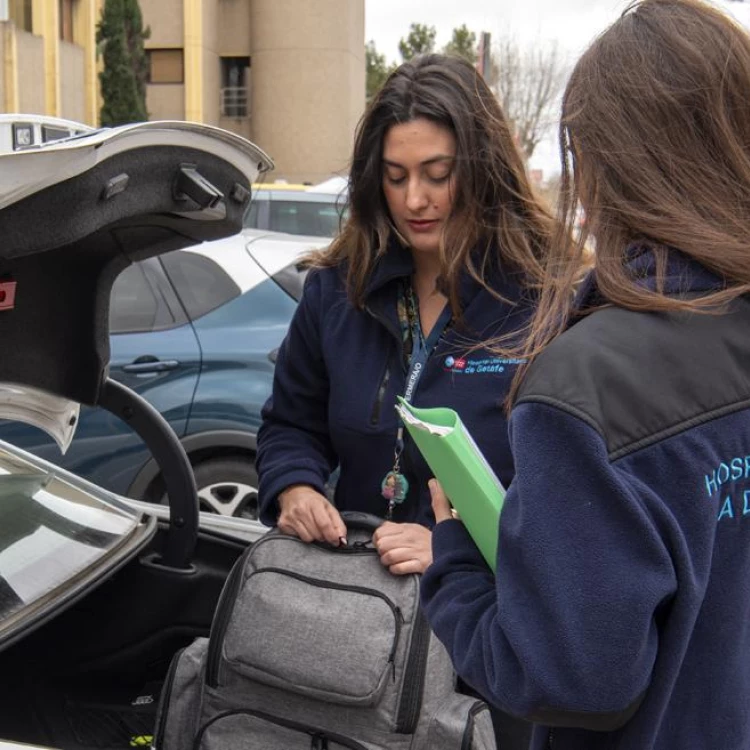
x: 235, y: 27
x: 165, y: 101
x: 30, y: 51
x: 72, y: 89
x: 165, y: 19
x: 9, y: 79
x: 234, y: 33
x: 308, y: 88
x: 211, y: 62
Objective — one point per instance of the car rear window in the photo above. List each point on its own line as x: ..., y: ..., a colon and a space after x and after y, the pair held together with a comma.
x: 50, y: 533
x: 202, y: 284
x: 304, y: 217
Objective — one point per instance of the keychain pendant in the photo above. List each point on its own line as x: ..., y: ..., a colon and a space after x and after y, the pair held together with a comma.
x: 394, y: 487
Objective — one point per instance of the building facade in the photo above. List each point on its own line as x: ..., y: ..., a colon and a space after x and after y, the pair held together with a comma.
x: 48, y: 49
x: 287, y: 74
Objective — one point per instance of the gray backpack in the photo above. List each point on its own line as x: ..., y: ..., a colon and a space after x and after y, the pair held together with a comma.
x: 318, y: 648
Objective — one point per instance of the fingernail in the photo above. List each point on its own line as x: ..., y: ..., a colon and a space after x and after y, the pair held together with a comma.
x: 431, y: 484
x: 342, y: 541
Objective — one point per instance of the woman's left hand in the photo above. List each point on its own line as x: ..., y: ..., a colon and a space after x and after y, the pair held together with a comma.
x: 440, y: 505
x: 404, y: 547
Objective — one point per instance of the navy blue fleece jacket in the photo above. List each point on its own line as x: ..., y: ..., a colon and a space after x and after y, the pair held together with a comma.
x: 340, y: 369
x: 620, y: 614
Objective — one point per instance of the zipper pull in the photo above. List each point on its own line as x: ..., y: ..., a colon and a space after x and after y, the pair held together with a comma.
x: 319, y: 742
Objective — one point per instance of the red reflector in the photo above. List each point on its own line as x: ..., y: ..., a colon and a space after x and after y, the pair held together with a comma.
x: 7, y: 295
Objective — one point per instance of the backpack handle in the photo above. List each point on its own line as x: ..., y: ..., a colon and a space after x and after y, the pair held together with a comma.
x: 357, y: 520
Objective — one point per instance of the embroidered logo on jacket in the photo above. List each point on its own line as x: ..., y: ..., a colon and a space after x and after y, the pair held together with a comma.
x: 468, y: 366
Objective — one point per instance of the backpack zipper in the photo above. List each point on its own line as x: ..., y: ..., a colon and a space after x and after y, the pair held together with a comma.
x: 416, y: 667
x: 166, y: 691
x: 222, y: 614
x: 469, y: 730
x: 319, y: 738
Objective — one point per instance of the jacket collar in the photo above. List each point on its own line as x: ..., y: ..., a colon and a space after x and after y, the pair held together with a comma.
x: 397, y: 263
x: 683, y: 276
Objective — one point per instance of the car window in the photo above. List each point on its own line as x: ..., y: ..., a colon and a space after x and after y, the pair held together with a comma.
x: 51, y: 532
x: 251, y: 216
x: 304, y: 217
x: 140, y: 303
x: 202, y: 284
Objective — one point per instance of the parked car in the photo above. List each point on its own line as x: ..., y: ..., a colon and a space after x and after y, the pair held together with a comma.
x: 193, y: 331
x: 97, y: 592
x: 296, y: 209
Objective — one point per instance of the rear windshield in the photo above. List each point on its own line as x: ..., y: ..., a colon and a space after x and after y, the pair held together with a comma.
x: 51, y: 532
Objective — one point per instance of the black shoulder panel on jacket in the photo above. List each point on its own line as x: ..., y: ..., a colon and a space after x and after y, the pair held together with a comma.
x: 638, y: 378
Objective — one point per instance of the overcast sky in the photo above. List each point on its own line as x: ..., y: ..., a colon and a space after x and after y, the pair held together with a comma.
x: 570, y: 23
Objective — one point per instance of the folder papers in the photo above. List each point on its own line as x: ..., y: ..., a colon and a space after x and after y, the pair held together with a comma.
x: 457, y: 463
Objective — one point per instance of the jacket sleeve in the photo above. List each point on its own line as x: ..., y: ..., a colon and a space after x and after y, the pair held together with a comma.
x: 566, y: 634
x: 294, y: 445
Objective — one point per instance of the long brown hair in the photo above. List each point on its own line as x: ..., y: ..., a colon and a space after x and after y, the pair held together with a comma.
x: 655, y: 144
x: 494, y: 207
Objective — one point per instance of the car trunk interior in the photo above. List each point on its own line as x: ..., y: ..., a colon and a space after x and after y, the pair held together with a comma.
x: 90, y: 677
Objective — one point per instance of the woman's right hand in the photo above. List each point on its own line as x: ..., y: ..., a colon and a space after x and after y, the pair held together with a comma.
x: 305, y: 513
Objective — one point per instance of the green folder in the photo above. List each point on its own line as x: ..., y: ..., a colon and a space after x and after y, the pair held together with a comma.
x: 457, y: 463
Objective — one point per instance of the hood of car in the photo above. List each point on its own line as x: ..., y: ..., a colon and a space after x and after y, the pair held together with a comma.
x: 75, y: 213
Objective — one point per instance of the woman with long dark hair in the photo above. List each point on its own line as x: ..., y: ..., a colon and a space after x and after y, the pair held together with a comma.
x: 619, y: 614
x: 443, y: 248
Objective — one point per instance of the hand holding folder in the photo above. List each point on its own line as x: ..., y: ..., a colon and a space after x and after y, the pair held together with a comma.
x: 457, y: 463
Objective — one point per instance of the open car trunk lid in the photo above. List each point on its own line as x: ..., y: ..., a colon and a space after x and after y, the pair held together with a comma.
x: 75, y: 213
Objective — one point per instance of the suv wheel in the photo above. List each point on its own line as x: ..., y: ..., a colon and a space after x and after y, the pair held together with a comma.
x: 228, y: 486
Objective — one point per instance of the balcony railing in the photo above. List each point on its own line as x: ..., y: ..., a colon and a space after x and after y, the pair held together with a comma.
x: 234, y: 101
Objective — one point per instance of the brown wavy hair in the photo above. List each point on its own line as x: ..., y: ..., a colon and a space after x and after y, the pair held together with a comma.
x: 655, y: 144
x: 494, y: 207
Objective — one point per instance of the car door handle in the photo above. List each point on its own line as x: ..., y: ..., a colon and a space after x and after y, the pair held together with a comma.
x: 151, y: 364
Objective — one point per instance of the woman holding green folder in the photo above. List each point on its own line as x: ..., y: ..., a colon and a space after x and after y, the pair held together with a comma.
x: 619, y: 615
x: 442, y: 249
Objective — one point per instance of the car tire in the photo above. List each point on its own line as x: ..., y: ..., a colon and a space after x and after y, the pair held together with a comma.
x: 228, y: 486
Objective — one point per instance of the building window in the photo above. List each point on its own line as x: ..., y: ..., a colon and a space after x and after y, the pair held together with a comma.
x: 66, y: 20
x: 235, y: 76
x: 19, y: 11
x: 165, y: 66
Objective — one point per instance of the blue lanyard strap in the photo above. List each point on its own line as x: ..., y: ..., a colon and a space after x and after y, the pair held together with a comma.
x: 421, y: 350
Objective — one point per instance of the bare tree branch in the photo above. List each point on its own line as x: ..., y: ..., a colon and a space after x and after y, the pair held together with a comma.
x: 528, y: 82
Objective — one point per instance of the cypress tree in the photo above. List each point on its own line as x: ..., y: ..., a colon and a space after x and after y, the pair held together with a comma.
x: 120, y: 36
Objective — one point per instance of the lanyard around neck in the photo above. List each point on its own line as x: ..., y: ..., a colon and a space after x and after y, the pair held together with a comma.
x: 420, y: 353
x: 421, y: 350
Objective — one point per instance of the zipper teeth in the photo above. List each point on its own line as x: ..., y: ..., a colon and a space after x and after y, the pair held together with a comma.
x: 378, y: 406
x: 224, y: 610
x: 295, y: 726
x: 166, y: 693
x: 416, y: 667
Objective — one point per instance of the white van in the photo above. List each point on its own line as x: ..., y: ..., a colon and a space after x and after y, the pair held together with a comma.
x: 18, y: 131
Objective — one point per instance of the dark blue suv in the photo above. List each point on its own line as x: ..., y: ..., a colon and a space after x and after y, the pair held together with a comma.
x: 195, y: 332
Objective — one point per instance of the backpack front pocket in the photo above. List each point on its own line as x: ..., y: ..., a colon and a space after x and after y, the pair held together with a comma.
x: 253, y: 730
x: 325, y: 640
